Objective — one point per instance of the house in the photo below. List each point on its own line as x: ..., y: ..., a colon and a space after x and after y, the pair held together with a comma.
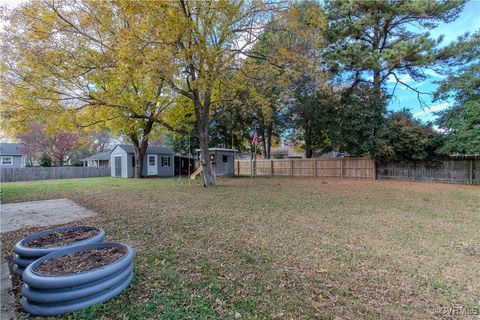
x: 101, y: 159
x: 158, y: 161
x: 222, y: 160
x: 284, y: 153
x: 11, y: 155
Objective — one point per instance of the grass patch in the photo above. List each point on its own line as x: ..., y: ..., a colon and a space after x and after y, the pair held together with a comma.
x: 278, y: 247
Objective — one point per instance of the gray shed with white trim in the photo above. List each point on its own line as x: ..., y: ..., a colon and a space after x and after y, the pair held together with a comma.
x: 223, y: 160
x: 158, y: 161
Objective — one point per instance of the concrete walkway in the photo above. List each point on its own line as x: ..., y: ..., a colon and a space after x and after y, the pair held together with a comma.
x: 44, y: 213
x: 15, y: 216
x: 7, y: 299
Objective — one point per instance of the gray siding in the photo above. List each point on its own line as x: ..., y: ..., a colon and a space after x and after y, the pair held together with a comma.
x: 119, y: 152
x: 166, y: 171
x: 17, y: 162
x: 224, y: 168
x: 128, y: 170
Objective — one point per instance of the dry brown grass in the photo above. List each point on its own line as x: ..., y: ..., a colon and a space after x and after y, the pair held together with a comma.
x: 283, y: 247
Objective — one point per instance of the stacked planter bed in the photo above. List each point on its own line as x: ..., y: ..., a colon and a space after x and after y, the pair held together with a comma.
x: 70, y: 279
x: 42, y: 243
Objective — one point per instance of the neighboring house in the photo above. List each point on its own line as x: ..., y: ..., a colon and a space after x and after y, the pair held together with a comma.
x: 284, y: 153
x: 223, y: 159
x: 333, y: 154
x: 11, y: 156
x: 101, y: 159
x: 158, y: 161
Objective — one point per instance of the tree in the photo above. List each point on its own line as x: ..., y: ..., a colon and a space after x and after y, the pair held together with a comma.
x: 285, y: 74
x: 45, y: 161
x: 375, y: 38
x: 461, y: 122
x: 213, y: 34
x: 84, y: 64
x: 58, y: 145
x: 405, y: 140
x: 352, y: 118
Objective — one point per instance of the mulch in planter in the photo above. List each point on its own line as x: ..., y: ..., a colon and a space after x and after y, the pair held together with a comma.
x: 62, y: 238
x: 80, y: 261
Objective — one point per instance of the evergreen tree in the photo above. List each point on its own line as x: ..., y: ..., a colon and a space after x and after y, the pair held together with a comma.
x: 461, y: 122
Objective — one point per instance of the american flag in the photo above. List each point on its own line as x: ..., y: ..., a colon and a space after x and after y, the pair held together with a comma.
x: 255, y: 138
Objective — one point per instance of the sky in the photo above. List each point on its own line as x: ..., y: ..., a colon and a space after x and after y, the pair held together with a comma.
x: 468, y: 21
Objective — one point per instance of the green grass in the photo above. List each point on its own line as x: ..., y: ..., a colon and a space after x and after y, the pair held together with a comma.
x: 279, y: 247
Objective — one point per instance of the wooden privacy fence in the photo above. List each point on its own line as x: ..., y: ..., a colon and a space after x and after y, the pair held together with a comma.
x: 362, y: 168
x: 48, y: 173
x: 449, y: 171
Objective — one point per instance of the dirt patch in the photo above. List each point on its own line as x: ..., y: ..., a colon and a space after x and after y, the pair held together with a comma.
x: 62, y: 238
x: 80, y: 261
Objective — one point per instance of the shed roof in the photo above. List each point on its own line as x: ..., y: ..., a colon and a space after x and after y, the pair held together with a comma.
x: 219, y: 149
x: 10, y: 149
x: 99, y: 156
x: 150, y: 149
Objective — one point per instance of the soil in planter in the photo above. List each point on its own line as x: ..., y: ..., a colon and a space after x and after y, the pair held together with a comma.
x: 80, y: 261
x: 61, y: 238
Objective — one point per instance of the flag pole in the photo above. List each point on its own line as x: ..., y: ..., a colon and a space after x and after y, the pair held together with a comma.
x: 255, y: 162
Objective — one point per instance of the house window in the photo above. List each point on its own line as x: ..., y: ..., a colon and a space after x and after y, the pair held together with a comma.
x: 133, y: 162
x: 225, y: 158
x: 151, y: 160
x: 7, y: 161
x: 165, y: 161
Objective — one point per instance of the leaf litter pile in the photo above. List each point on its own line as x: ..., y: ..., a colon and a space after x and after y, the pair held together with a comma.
x: 62, y: 238
x: 80, y: 261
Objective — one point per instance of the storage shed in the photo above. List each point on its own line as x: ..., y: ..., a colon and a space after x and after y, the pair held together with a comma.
x: 223, y: 161
x: 158, y: 161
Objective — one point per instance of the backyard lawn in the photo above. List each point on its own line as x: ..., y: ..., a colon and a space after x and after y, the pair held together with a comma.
x: 281, y: 247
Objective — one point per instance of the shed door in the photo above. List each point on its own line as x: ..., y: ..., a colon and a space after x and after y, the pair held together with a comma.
x: 152, y: 166
x: 118, y: 166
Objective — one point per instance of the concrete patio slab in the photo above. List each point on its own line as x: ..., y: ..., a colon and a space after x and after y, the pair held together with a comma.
x: 15, y: 216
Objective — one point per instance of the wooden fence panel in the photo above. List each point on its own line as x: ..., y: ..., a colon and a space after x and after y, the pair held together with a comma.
x: 48, y: 173
x: 363, y: 168
x: 329, y: 168
x: 316, y: 167
x: 450, y: 171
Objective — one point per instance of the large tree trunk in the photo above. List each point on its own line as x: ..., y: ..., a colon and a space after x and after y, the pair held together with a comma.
x: 140, y: 148
x: 269, y: 141
x: 308, y: 141
x: 202, y: 125
x: 208, y: 178
x: 264, y: 143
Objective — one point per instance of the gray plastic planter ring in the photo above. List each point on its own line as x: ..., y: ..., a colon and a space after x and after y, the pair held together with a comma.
x: 21, y: 261
x: 61, y: 308
x: 27, y: 252
x: 74, y: 293
x: 37, y: 280
x: 18, y: 270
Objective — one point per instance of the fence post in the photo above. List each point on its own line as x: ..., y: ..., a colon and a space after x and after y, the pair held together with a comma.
x: 271, y: 167
x: 315, y: 168
x: 341, y: 168
x: 471, y: 172
x: 238, y: 168
x: 374, y: 177
x: 291, y: 167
